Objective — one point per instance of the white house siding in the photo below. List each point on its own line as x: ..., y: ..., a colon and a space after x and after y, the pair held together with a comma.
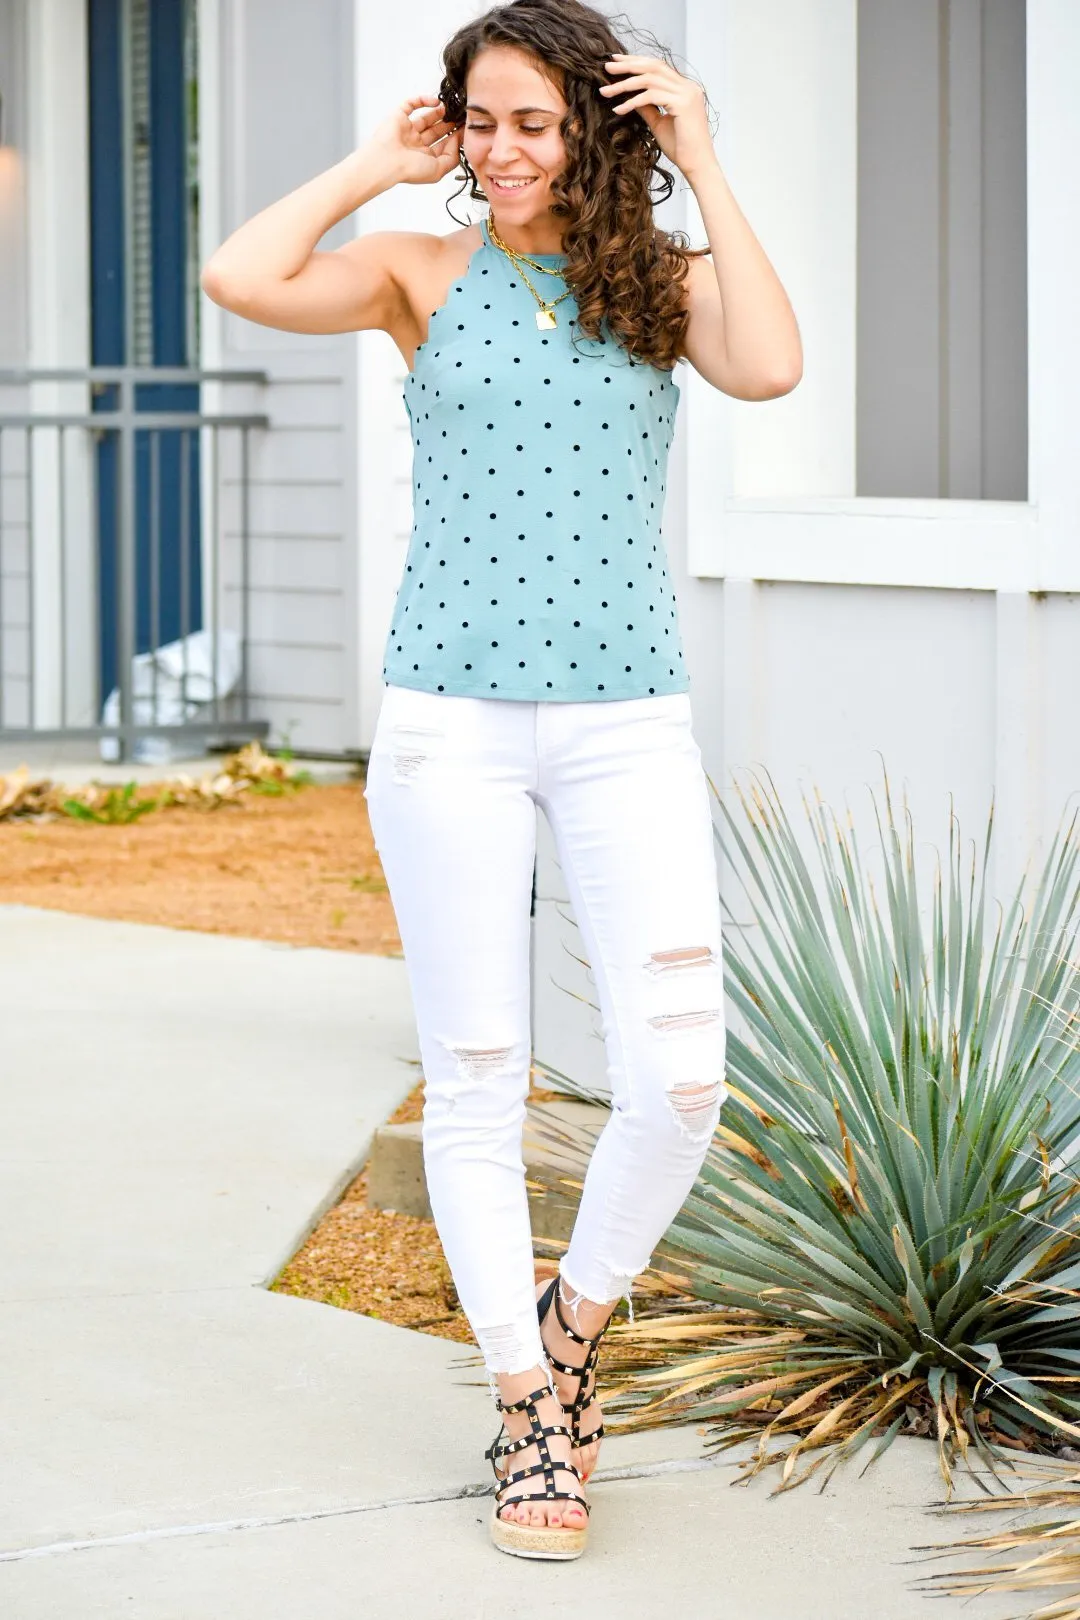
x: 967, y: 694
x: 282, y: 110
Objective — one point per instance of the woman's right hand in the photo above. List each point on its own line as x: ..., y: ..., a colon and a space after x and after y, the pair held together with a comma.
x: 421, y: 150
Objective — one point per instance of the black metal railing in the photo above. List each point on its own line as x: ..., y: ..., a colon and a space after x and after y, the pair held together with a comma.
x: 124, y: 597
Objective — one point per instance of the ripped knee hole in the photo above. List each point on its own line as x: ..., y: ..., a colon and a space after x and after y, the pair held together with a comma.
x: 479, y: 1062
x: 686, y: 956
x: 678, y: 961
x: 694, y: 1106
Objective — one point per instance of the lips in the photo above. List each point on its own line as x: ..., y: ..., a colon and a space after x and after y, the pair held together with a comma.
x: 521, y: 182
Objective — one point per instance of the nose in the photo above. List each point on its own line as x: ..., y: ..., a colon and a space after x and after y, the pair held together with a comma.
x: 503, y: 149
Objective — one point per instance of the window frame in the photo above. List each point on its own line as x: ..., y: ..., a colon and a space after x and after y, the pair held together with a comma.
x: 1031, y: 545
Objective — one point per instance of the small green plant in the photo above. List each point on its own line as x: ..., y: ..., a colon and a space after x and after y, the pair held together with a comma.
x: 368, y: 883
x: 275, y: 787
x: 341, y: 1296
x: 284, y: 750
x: 118, y: 807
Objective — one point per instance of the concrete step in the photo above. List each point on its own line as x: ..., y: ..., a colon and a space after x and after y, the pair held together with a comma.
x: 396, y: 1168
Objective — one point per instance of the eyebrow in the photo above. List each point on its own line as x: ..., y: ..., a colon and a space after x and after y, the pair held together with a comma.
x: 474, y: 106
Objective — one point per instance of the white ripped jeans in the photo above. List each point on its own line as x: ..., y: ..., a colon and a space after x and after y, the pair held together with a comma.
x: 452, y: 788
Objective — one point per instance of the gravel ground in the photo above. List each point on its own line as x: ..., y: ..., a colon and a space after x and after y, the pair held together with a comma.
x: 301, y: 868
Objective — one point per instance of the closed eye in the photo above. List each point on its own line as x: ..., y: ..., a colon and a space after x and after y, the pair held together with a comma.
x: 529, y: 129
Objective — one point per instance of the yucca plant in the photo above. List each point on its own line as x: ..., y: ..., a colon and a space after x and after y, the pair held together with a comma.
x: 1049, y: 1549
x: 886, y: 1230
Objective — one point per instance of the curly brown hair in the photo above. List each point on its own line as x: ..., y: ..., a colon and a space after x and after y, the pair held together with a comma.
x: 620, y: 265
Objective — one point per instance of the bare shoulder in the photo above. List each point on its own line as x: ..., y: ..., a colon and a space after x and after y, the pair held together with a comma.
x: 694, y: 285
x: 701, y: 299
x: 420, y: 268
x: 700, y: 276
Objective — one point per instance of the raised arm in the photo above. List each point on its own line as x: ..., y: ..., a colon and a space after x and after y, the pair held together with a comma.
x: 270, y: 269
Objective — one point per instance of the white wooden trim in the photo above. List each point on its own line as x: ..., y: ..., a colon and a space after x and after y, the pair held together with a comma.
x: 1053, y: 56
x: 1032, y: 545
x: 958, y: 545
x: 211, y: 161
x: 211, y: 229
x: 59, y: 187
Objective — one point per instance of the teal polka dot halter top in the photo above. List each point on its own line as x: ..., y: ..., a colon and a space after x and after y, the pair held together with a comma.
x: 536, y: 568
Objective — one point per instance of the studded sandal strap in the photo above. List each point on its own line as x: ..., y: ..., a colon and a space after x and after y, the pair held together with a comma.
x: 552, y: 1295
x: 495, y: 1450
x: 538, y: 1436
x: 525, y: 1402
x: 539, y: 1468
x: 549, y: 1494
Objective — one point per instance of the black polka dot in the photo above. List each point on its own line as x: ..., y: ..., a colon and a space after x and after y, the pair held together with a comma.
x: 520, y: 649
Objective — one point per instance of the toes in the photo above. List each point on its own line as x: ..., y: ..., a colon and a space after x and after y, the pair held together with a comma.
x: 539, y: 1515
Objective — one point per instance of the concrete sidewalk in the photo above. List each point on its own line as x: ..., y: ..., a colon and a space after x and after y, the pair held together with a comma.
x: 181, y: 1444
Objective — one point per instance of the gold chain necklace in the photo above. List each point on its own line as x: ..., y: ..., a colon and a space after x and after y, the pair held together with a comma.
x: 517, y: 253
x: 545, y: 315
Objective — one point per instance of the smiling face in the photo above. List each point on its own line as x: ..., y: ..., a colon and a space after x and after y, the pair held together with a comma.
x: 512, y: 135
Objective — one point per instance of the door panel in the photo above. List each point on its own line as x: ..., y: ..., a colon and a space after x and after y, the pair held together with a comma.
x: 142, y: 89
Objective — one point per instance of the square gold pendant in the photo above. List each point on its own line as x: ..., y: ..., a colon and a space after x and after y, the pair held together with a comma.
x: 545, y: 319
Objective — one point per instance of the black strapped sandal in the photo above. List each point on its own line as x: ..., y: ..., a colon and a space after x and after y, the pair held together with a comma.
x: 582, y: 1398
x: 533, y: 1540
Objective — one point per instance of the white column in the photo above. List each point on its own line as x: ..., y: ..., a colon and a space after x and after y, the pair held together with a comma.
x: 392, y: 65
x: 58, y: 190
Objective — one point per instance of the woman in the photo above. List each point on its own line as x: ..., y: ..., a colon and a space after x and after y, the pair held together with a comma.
x: 534, y: 654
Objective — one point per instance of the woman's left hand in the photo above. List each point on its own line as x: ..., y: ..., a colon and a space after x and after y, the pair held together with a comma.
x: 682, y: 133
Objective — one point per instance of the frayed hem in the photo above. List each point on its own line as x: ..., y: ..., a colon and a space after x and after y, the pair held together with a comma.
x: 619, y: 1287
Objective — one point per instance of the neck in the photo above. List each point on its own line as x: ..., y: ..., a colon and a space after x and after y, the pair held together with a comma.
x: 512, y: 238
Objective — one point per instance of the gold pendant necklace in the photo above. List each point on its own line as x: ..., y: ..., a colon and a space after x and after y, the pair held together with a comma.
x: 545, y: 315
